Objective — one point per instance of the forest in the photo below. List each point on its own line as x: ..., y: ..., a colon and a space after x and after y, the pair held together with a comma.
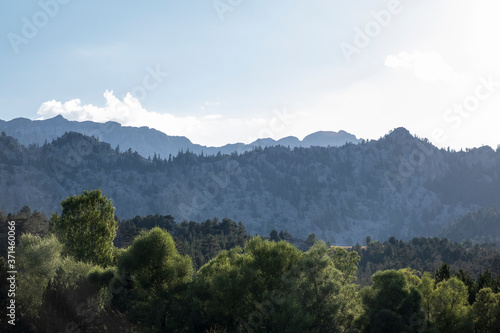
x: 342, y: 194
x: 83, y: 270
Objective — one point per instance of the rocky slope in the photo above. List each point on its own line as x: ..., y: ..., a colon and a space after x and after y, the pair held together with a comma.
x: 396, y: 186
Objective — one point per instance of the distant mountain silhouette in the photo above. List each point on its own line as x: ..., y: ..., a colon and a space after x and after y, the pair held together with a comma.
x: 147, y: 141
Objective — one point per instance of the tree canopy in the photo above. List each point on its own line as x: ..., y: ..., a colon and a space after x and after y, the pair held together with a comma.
x: 87, y: 227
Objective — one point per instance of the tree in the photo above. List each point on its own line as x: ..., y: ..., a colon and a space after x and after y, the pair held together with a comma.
x: 392, y: 304
x: 38, y: 260
x: 442, y: 273
x: 311, y: 239
x: 87, y: 227
x: 273, y: 236
x: 274, y: 287
x: 346, y: 262
x: 254, y: 289
x: 70, y: 297
x: 52, y: 288
x: 325, y: 290
x: 210, y: 247
x: 469, y: 283
x: 451, y: 311
x: 151, y: 274
x: 485, y: 309
x: 485, y: 280
x: 284, y: 235
x: 426, y: 288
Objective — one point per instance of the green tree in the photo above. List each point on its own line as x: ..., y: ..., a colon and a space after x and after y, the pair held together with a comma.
x: 52, y: 288
x: 467, y: 280
x: 210, y: 246
x: 485, y: 310
x: 151, y: 275
x: 442, y: 273
x: 273, y: 236
x: 87, y: 227
x: 311, y: 239
x: 451, y: 311
x: 392, y: 304
x: 426, y: 288
x: 325, y: 290
x: 346, y: 262
x: 71, y: 298
x: 254, y: 289
x: 485, y: 280
x: 273, y: 287
x: 38, y: 261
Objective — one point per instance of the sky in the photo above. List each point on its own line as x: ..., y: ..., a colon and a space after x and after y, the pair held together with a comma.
x: 225, y: 71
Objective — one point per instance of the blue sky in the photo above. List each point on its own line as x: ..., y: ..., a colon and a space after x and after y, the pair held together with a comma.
x: 220, y: 71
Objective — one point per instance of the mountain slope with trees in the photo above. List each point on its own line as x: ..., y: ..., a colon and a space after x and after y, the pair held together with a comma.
x: 398, y: 185
x: 480, y: 226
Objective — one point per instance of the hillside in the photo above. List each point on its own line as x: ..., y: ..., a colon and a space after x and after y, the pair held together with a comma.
x: 397, y: 186
x: 147, y: 141
x: 481, y: 226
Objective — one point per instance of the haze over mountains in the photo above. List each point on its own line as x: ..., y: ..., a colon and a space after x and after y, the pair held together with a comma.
x: 147, y: 141
x: 399, y: 185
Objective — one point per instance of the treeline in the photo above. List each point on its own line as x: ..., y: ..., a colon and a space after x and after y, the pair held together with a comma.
x: 478, y: 267
x: 200, y: 241
x: 426, y: 255
x: 203, y: 241
x: 480, y: 226
x: 72, y: 278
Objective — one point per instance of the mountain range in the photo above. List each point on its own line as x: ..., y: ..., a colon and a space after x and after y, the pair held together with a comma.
x: 399, y: 185
x: 147, y: 141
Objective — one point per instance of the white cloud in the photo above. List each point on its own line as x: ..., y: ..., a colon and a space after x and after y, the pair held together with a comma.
x: 213, y: 116
x: 128, y: 112
x: 427, y: 66
x: 211, y: 129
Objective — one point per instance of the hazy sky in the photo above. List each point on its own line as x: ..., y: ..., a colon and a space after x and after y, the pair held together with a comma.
x: 220, y: 71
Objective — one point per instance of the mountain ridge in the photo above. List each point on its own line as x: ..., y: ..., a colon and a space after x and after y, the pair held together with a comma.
x: 148, y: 141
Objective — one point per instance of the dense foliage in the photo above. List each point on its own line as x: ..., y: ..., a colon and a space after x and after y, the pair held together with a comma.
x: 426, y: 255
x: 201, y: 241
x: 87, y: 227
x: 480, y: 226
x: 151, y: 284
x: 398, y: 185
